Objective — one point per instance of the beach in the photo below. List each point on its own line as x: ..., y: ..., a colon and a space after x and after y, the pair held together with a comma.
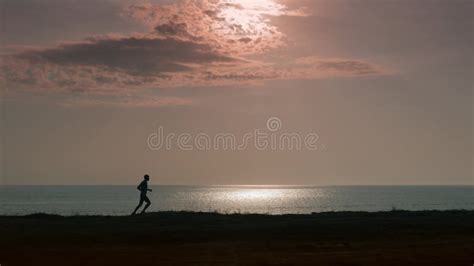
x: 186, y: 238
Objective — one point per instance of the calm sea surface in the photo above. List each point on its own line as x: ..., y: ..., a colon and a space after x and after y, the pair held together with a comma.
x: 120, y: 200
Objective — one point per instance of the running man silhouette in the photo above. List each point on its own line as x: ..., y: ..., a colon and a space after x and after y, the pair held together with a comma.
x: 143, y: 187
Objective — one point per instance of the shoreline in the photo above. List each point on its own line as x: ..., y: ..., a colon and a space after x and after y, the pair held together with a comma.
x: 185, y: 212
x: 186, y: 238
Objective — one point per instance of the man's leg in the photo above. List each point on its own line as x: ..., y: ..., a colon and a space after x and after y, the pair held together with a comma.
x: 139, y: 205
x: 148, y: 203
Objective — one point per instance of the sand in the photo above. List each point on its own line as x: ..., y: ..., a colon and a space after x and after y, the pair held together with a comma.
x: 184, y: 238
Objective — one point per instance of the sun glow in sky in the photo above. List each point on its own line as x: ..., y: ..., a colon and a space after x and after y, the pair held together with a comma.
x: 247, y: 17
x: 83, y: 83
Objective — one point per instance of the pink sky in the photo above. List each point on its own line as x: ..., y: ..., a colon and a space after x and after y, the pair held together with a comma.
x: 387, y: 85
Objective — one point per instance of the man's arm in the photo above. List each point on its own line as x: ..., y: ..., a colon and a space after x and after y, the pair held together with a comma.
x: 140, y: 186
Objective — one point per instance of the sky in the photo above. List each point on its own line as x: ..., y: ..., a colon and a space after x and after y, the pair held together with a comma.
x: 385, y: 86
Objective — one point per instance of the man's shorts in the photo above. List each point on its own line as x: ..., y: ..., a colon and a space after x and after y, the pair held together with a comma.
x: 144, y: 198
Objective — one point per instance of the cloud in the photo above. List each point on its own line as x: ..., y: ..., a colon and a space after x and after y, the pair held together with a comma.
x: 133, y: 55
x: 128, y: 101
x: 107, y: 64
x: 115, y: 66
x: 189, y: 43
x: 336, y: 67
x: 299, y: 68
x: 230, y: 26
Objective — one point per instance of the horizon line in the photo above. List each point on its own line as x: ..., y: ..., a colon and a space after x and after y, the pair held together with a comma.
x: 243, y: 185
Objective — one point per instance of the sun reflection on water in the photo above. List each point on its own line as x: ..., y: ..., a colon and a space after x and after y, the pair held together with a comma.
x: 273, y: 199
x: 255, y: 194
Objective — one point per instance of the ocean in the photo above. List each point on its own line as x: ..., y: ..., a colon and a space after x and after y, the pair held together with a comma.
x: 121, y: 200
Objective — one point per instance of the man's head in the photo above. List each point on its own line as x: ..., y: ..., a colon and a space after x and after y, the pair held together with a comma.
x: 146, y: 177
